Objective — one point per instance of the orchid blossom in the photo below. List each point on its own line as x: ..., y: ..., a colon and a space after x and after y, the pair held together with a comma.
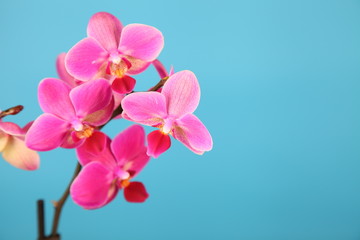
x: 71, y: 115
x: 13, y: 147
x: 172, y: 112
x: 109, y: 166
x: 112, y: 49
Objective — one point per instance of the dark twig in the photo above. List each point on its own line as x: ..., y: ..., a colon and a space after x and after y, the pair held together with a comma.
x: 41, y: 221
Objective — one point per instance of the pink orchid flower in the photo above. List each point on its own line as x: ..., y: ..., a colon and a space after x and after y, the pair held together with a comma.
x: 13, y: 147
x: 109, y: 166
x: 110, y: 48
x: 172, y: 112
x: 71, y: 115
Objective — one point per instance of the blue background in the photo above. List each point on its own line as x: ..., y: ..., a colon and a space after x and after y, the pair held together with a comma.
x: 280, y: 87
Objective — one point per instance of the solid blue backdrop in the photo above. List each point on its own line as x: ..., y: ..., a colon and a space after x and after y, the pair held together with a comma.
x: 280, y: 85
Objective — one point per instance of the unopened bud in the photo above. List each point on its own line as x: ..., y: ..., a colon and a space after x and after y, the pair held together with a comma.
x: 11, y: 111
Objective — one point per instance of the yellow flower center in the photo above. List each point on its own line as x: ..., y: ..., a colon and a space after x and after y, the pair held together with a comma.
x: 85, y: 132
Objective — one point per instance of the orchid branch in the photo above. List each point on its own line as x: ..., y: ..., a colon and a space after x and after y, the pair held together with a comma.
x: 59, y: 204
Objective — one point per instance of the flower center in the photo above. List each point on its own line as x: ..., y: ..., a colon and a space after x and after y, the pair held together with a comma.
x: 82, y: 130
x: 123, y: 177
x: 118, y: 65
x: 124, y: 183
x: 86, y: 132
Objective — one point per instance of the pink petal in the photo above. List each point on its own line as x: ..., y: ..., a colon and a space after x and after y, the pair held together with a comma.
x: 158, y: 143
x: 171, y: 72
x: 100, y: 117
x: 129, y: 149
x: 106, y: 29
x: 141, y: 41
x: 62, y: 72
x: 46, y: 133
x: 70, y: 141
x: 148, y: 108
x: 86, y: 60
x: 135, y: 192
x: 193, y: 134
x: 91, y: 97
x: 117, y: 101
x: 54, y: 98
x: 137, y: 65
x: 92, y: 186
x: 96, y: 149
x: 17, y: 154
x: 182, y: 92
x: 123, y: 85
x: 27, y: 127
x: 160, y: 68
x: 11, y: 129
x: 3, y: 140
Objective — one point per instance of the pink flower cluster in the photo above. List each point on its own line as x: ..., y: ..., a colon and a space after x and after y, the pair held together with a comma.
x: 96, y: 84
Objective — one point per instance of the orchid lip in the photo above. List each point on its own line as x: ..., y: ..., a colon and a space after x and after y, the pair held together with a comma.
x: 82, y: 130
x: 115, y: 57
x: 77, y: 125
x: 122, y: 174
x: 168, y: 125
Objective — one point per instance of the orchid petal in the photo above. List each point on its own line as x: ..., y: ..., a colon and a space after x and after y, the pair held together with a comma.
x: 91, y: 97
x: 135, y: 192
x: 182, y: 93
x: 117, y: 101
x: 62, y: 72
x: 17, y: 154
x: 158, y: 143
x: 3, y: 140
x: 100, y: 117
x: 70, y: 141
x: 172, y: 71
x: 91, y: 187
x: 141, y: 41
x: 123, y: 85
x: 54, y: 98
x: 86, y: 60
x: 129, y: 149
x: 96, y: 149
x: 11, y: 129
x: 148, y: 108
x: 46, y: 133
x: 27, y: 127
x: 193, y: 134
x: 137, y: 65
x: 106, y: 29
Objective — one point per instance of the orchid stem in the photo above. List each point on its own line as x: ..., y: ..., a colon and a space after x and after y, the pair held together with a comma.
x: 41, y: 221
x: 58, y: 207
x: 159, y: 85
x: 59, y: 204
